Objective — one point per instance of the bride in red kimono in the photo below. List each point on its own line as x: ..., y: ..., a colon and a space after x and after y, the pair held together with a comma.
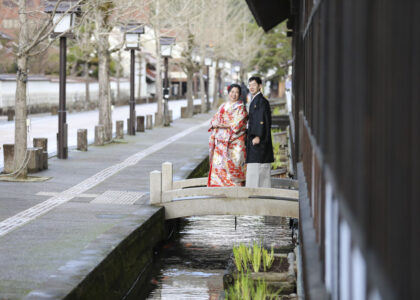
x: 227, y: 142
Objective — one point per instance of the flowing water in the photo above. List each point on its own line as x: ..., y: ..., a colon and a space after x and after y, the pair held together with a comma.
x: 191, y: 265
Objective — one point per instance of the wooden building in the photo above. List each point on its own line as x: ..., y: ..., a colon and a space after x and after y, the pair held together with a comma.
x: 356, y: 123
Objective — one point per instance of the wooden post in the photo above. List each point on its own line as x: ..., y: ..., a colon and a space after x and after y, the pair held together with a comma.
x: 42, y: 143
x: 128, y: 124
x: 171, y: 116
x: 99, y: 135
x: 82, y: 144
x: 167, y: 176
x: 8, y: 154
x: 10, y: 115
x: 140, y: 123
x: 149, y: 122
x: 119, y: 129
x: 35, y: 163
x: 54, y: 110
x: 155, y: 187
x: 184, y: 112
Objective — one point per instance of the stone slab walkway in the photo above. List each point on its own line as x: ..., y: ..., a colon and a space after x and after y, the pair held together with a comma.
x: 53, y: 233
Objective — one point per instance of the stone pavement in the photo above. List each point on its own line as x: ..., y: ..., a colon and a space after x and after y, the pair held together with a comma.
x: 54, y: 233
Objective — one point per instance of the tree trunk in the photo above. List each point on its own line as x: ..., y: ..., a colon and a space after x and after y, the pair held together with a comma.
x: 195, y: 87
x: 215, y: 86
x: 20, y: 147
x: 105, y: 117
x: 190, y: 100
x: 20, y: 117
x: 202, y: 91
x: 159, y: 96
x: 140, y: 71
x: 118, y: 78
x: 86, y: 73
x: 73, y: 71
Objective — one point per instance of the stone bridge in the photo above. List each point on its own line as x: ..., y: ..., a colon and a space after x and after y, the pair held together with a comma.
x: 191, y: 197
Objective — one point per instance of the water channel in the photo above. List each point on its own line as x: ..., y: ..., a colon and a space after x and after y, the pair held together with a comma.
x: 191, y: 264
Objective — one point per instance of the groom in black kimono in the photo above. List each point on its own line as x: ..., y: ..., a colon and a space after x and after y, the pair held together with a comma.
x: 259, y: 148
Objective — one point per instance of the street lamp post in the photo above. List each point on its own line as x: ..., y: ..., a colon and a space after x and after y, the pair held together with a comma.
x: 166, y: 52
x: 132, y: 43
x: 63, y: 20
x: 208, y: 62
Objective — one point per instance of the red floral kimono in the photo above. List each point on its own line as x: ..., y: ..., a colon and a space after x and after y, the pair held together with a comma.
x: 227, y: 145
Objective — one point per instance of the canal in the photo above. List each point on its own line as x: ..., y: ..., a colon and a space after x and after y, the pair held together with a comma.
x: 191, y: 264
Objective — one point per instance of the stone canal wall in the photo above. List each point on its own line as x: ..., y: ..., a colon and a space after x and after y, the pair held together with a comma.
x: 124, y: 265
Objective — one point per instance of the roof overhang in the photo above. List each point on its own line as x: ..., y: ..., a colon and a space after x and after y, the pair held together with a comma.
x: 269, y: 13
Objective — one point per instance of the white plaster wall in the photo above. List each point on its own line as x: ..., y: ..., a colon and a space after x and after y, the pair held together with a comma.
x: 47, y: 92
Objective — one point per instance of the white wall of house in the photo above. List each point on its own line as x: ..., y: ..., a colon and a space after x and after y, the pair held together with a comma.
x: 345, y: 265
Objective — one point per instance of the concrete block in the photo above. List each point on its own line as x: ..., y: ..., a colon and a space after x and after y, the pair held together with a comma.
x: 140, y: 123
x: 119, y: 129
x: 171, y: 116
x: 149, y: 122
x: 41, y: 143
x: 99, y: 135
x: 155, y: 187
x: 197, y: 109
x: 8, y: 155
x: 167, y: 176
x: 82, y: 143
x: 35, y: 163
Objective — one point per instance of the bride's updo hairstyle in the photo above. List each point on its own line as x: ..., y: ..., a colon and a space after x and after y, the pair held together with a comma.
x: 234, y: 85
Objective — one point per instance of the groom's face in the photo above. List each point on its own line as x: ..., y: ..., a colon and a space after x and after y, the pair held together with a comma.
x: 254, y: 87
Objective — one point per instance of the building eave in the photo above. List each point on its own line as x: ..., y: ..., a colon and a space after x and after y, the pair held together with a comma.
x: 269, y: 13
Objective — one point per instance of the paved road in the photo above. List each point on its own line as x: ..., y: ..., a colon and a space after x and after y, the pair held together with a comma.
x: 44, y: 125
x: 53, y: 233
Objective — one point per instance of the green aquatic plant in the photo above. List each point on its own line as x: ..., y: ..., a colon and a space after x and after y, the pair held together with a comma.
x: 260, y: 290
x: 276, y: 111
x: 245, y: 288
x: 256, y: 256
x: 242, y: 256
x: 242, y: 288
x: 237, y: 258
x: 268, y: 258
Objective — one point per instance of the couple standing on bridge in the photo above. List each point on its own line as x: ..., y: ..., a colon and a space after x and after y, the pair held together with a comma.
x: 241, y: 151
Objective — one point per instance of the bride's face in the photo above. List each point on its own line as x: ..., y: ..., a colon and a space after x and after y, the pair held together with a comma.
x: 234, y: 94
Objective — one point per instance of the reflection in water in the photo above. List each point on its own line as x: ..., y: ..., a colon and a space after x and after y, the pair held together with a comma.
x: 192, y: 265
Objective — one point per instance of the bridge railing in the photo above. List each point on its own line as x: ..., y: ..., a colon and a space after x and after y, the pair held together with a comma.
x: 193, y: 197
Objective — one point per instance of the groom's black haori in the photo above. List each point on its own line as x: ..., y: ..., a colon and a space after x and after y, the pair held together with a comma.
x: 259, y: 124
